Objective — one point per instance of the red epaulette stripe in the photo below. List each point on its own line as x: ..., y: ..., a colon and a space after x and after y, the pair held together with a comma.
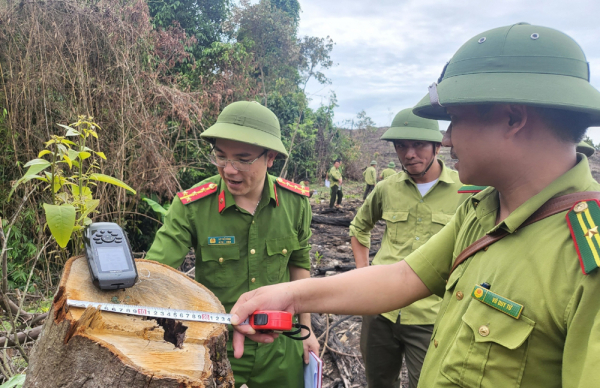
x: 293, y: 187
x: 191, y: 195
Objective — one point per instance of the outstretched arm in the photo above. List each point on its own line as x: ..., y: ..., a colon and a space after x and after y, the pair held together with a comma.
x: 366, y: 291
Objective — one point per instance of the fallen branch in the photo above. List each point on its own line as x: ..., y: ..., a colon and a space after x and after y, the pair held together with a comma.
x: 21, y: 337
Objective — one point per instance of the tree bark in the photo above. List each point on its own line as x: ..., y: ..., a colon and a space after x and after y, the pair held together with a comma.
x: 91, y: 348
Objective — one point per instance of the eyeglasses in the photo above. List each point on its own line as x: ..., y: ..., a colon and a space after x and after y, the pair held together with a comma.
x: 239, y: 165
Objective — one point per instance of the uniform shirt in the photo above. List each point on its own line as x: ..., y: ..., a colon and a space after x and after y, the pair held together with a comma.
x: 411, y: 220
x: 556, y: 340
x: 370, y: 175
x: 236, y: 251
x: 388, y: 172
x: 334, y: 176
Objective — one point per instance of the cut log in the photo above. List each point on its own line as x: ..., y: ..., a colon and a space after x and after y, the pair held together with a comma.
x: 335, y: 221
x: 91, y: 348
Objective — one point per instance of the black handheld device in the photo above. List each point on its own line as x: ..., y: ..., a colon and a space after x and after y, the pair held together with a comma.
x: 109, y: 256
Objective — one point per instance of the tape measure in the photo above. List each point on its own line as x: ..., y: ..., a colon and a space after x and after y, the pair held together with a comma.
x: 259, y: 320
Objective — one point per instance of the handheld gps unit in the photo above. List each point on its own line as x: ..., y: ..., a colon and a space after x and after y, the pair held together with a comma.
x: 109, y: 256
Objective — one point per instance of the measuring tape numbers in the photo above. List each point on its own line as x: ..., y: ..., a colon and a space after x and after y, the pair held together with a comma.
x: 157, y: 312
x: 279, y: 321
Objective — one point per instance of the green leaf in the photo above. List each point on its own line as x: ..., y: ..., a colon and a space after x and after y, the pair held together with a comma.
x: 111, y: 180
x: 16, y: 381
x: 68, y: 160
x: 72, y: 154
x: 84, y: 155
x: 35, y: 162
x: 86, y: 190
x: 64, y: 141
x: 70, y: 131
x: 61, y: 220
x: 101, y: 154
x: 44, y: 152
x: 155, y: 206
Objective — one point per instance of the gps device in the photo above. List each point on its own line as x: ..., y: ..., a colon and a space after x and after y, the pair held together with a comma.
x: 109, y: 256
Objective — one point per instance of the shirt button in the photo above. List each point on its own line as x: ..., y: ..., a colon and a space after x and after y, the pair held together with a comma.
x: 417, y: 238
x: 418, y: 219
x: 435, y: 343
x: 460, y: 295
x: 253, y: 280
x: 252, y: 221
x: 252, y: 251
x: 484, y: 331
x: 284, y: 251
x: 421, y: 201
x: 220, y: 259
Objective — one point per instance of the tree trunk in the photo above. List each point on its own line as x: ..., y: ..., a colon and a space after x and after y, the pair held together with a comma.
x: 91, y: 348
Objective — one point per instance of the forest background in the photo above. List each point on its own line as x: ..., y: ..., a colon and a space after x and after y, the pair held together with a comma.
x: 153, y: 75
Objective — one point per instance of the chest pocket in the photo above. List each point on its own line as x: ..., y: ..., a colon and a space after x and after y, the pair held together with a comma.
x: 394, y: 223
x: 220, y: 266
x: 438, y: 221
x: 489, y: 349
x: 278, y: 254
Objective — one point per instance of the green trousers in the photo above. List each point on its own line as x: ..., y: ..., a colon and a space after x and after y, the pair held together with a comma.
x: 383, y: 343
x: 368, y: 190
x: 336, y: 191
x: 276, y: 365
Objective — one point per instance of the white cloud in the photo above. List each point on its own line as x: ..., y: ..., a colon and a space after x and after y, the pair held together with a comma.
x: 389, y: 51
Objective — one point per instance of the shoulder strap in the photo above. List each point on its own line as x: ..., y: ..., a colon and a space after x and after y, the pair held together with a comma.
x: 551, y: 207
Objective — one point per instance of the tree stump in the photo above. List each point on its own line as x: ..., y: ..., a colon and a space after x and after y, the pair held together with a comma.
x: 91, y: 348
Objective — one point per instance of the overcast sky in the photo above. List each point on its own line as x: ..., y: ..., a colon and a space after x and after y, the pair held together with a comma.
x: 388, y: 51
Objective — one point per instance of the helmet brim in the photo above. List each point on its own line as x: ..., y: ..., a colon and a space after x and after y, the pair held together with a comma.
x: 412, y: 133
x: 542, y: 90
x: 246, y: 135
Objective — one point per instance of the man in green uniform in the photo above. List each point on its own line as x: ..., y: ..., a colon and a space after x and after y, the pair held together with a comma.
x: 336, y: 183
x: 415, y: 204
x: 248, y: 229
x: 388, y: 172
x: 521, y: 308
x: 370, y: 175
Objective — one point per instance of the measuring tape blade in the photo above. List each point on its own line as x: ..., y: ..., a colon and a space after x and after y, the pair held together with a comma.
x: 156, y: 312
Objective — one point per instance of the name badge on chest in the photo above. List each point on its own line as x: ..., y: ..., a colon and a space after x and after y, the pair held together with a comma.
x: 221, y: 240
x: 500, y: 303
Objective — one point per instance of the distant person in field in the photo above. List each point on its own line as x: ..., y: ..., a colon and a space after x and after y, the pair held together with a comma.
x: 370, y: 175
x: 335, y: 177
x: 388, y: 172
x: 415, y: 204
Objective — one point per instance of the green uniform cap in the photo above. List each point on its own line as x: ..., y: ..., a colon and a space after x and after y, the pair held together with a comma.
x: 392, y: 165
x: 408, y: 126
x: 373, y: 162
x: 518, y: 64
x: 248, y: 122
x: 585, y: 149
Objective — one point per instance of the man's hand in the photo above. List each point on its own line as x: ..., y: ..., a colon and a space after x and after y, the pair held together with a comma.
x: 340, y: 181
x: 311, y: 343
x: 276, y: 297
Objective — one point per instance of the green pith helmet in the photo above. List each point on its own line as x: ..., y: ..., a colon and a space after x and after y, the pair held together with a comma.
x: 518, y: 64
x: 373, y: 162
x: 248, y: 122
x: 585, y: 149
x: 408, y: 126
x: 391, y: 165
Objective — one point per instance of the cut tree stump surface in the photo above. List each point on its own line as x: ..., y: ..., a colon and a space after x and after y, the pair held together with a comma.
x: 91, y: 348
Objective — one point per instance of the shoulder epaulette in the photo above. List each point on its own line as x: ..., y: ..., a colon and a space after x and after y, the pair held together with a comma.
x: 471, y: 189
x: 583, y: 220
x: 194, y: 194
x: 293, y: 187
